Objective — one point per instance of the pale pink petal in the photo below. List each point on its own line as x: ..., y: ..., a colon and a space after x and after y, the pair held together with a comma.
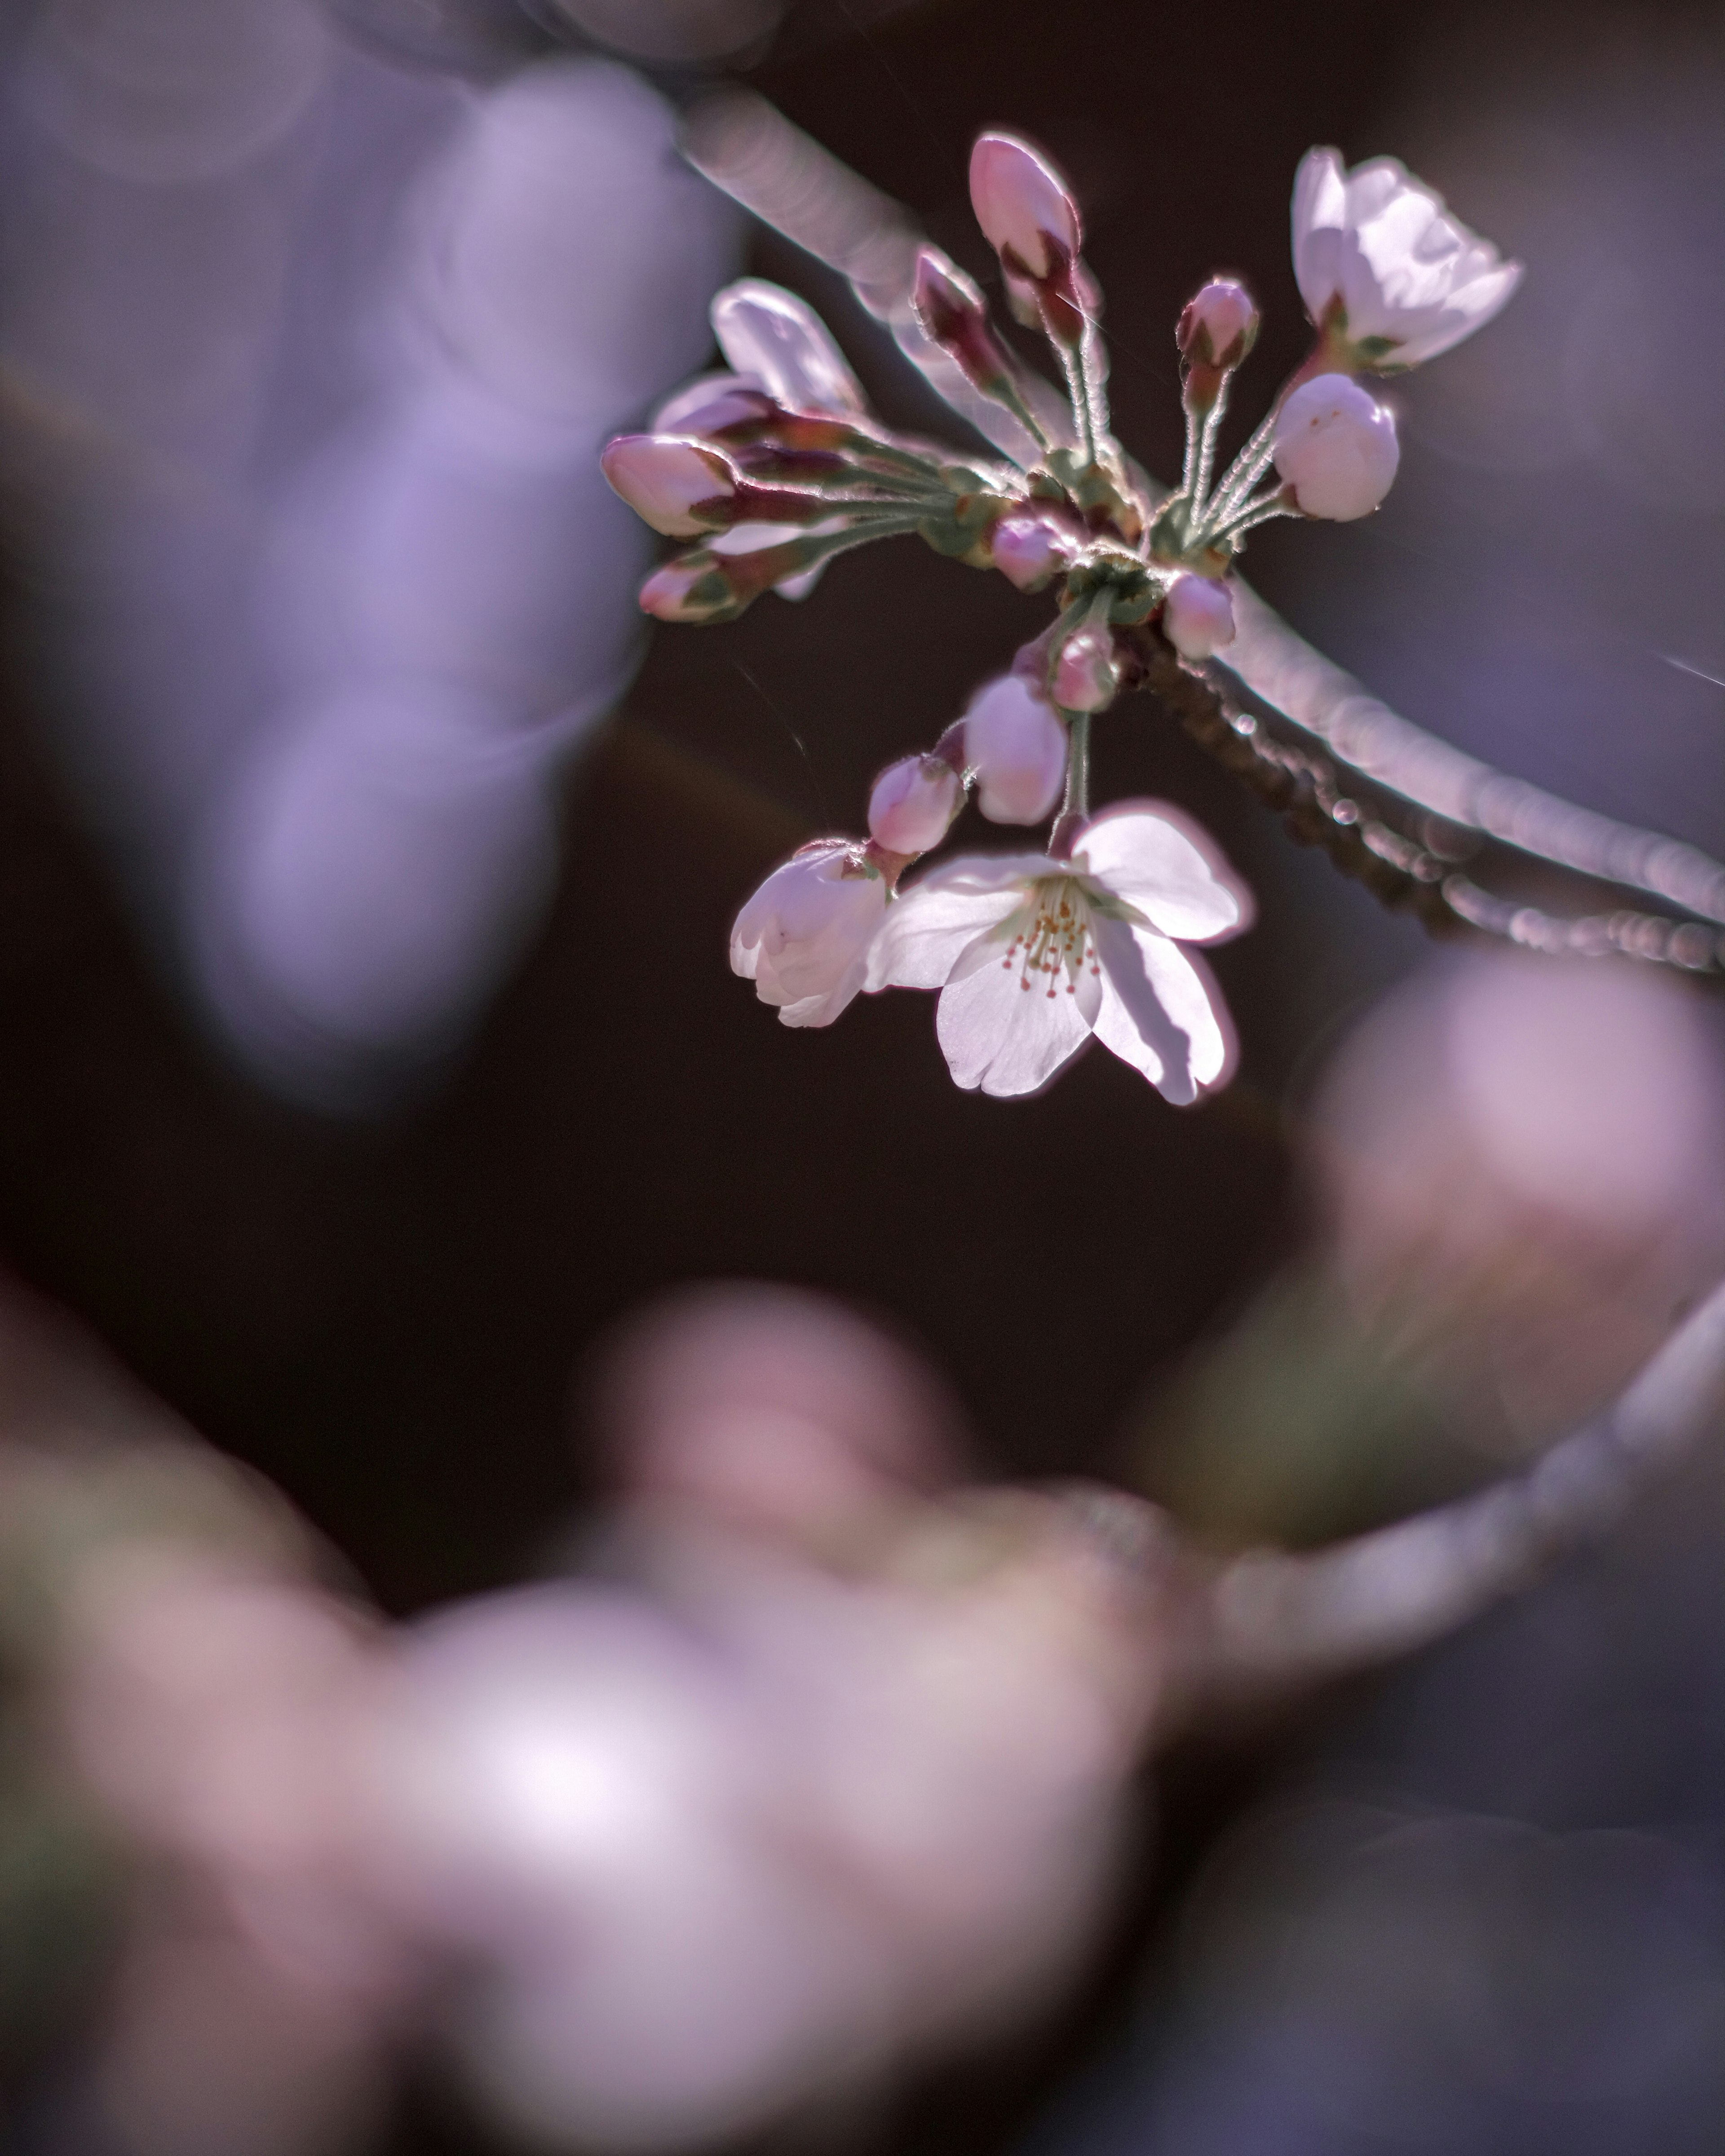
x: 1003, y: 1037
x: 1320, y: 204
x: 927, y: 929
x: 1151, y: 856
x: 1161, y: 1013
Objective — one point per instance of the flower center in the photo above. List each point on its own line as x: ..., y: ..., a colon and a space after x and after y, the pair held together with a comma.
x: 1057, y: 939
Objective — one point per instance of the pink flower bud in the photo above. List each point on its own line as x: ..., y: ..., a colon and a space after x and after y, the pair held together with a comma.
x: 711, y: 403
x: 1085, y: 672
x: 1022, y: 205
x: 1198, y: 617
x: 1218, y: 327
x: 1017, y: 748
x: 665, y: 593
x: 804, y: 937
x: 913, y: 802
x: 664, y: 479
x: 1336, y: 448
x: 1028, y: 551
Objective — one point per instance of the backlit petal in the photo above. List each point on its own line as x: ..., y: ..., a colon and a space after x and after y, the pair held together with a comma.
x: 1161, y: 1013
x: 1151, y: 856
x: 1003, y: 1037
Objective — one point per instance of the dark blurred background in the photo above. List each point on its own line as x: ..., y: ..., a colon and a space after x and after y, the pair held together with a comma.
x: 387, y: 1308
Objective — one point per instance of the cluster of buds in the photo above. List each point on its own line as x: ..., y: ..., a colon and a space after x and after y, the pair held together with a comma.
x: 778, y: 465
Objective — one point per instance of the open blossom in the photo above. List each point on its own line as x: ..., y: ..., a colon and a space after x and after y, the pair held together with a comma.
x: 803, y: 937
x: 1198, y: 617
x: 1032, y: 955
x: 1017, y: 749
x: 667, y: 481
x: 1409, y: 280
x: 1022, y: 205
x: 1336, y: 448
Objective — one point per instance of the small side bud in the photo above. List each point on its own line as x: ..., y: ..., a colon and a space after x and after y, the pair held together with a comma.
x: 1024, y: 207
x: 1029, y: 550
x: 676, y: 486
x: 1017, y: 748
x: 1086, y: 675
x: 1198, y: 617
x: 687, y: 591
x: 1337, y: 448
x: 952, y: 311
x: 913, y: 803
x: 1218, y: 327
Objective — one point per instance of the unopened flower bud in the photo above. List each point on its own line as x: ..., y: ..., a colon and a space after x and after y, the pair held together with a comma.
x: 1086, y: 674
x: 711, y: 403
x: 1028, y: 551
x: 1336, y: 448
x: 913, y: 802
x: 663, y: 479
x: 1220, y: 326
x: 1017, y: 748
x: 666, y: 593
x: 804, y: 937
x: 1198, y: 617
x: 1022, y: 206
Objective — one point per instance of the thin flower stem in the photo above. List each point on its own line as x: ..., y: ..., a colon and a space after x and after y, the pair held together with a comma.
x: 1257, y: 512
x: 1075, y: 802
x: 1208, y: 432
x: 1249, y: 467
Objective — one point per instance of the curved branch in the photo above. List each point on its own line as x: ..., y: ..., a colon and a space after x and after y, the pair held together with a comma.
x: 1362, y: 823
x: 1269, y: 1619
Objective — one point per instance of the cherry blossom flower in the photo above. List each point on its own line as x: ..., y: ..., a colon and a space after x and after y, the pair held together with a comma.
x: 1017, y: 749
x: 1032, y: 955
x: 803, y: 937
x: 1336, y: 448
x: 1198, y: 617
x: 1383, y: 269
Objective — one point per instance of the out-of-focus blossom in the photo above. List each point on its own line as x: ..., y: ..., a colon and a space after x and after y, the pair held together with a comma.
x: 666, y: 482
x: 1086, y: 675
x: 803, y: 937
x: 1198, y: 617
x: 228, y: 1719
x: 1017, y: 748
x: 828, y: 1770
x: 1028, y: 551
x: 1025, y: 209
x: 912, y: 803
x: 1385, y: 271
x: 1336, y: 446
x: 1524, y: 1163
x: 1032, y: 955
x: 1219, y: 325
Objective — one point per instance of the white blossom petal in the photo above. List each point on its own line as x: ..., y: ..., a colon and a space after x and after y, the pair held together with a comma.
x: 927, y: 929
x: 1154, y: 859
x: 1006, y: 1038
x: 1160, y: 1012
x: 772, y: 336
x: 1320, y: 205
